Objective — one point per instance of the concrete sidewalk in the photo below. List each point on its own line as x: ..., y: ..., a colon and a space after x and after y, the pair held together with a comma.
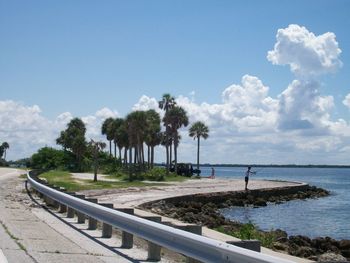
x: 29, y: 233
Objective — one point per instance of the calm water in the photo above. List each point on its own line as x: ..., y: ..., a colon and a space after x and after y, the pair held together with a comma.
x: 328, y: 216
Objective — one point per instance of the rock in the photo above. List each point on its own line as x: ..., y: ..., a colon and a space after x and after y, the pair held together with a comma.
x: 260, y: 202
x: 346, y: 253
x: 305, y: 252
x: 344, y: 244
x: 331, y: 257
x: 280, y: 246
x: 300, y: 240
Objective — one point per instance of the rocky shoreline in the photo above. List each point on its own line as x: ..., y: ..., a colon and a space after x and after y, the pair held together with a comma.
x: 204, y: 209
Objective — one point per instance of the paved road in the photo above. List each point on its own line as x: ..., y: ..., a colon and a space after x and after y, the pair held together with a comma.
x: 28, y: 233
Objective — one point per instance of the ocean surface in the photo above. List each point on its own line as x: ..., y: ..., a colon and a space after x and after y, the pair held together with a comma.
x: 327, y: 216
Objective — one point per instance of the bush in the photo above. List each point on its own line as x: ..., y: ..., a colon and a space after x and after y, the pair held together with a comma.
x: 155, y: 174
x: 48, y: 158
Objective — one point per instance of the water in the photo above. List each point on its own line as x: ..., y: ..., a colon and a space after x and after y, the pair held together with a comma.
x: 328, y: 216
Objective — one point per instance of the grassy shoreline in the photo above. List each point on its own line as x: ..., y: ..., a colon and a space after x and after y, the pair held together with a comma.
x: 65, y: 179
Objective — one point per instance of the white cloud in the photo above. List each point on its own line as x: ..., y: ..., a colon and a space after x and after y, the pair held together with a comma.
x: 105, y: 113
x: 305, y: 53
x: 302, y: 107
x: 346, y: 101
x: 26, y: 129
x: 245, y: 107
x: 146, y: 103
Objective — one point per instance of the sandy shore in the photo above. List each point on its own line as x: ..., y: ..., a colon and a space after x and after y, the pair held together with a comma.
x: 134, y: 196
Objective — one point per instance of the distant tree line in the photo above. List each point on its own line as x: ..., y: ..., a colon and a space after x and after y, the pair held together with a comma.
x: 131, y: 142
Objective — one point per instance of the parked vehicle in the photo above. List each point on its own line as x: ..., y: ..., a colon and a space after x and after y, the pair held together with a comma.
x: 185, y: 169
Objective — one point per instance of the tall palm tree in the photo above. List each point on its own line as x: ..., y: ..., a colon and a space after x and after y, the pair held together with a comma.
x: 136, y: 123
x: 96, y: 148
x: 117, y: 138
x: 4, y: 147
x: 152, y: 136
x: 198, y: 130
x: 107, y: 130
x: 115, y: 125
x: 176, y: 118
x: 168, y: 102
x: 123, y: 140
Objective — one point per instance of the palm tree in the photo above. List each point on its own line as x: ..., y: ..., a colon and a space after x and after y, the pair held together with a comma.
x: 152, y: 136
x: 4, y: 147
x: 107, y: 130
x: 176, y: 118
x: 198, y: 130
x: 96, y: 148
x: 123, y: 140
x: 167, y: 103
x: 136, y: 123
x: 116, y: 125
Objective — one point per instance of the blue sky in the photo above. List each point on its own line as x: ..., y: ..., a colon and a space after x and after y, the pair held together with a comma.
x: 79, y: 57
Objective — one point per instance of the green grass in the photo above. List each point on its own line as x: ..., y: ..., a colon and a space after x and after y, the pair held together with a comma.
x: 249, y: 231
x: 66, y: 180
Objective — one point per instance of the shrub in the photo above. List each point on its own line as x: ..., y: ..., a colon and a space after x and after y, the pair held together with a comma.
x: 155, y: 174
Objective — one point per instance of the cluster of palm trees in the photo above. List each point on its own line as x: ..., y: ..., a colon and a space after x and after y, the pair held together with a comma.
x: 3, y: 148
x: 141, y: 128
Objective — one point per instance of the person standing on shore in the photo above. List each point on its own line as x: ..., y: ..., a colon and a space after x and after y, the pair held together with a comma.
x: 212, y: 173
x: 246, y: 178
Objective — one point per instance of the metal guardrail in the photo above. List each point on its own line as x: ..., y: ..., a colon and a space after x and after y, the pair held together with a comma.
x: 195, y: 246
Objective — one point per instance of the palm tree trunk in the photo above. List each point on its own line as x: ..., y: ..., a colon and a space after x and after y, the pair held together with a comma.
x: 130, y: 164
x: 120, y: 154
x: 125, y: 156
x: 175, y: 156
x: 152, y: 156
x: 167, y: 158
x: 115, y: 150
x: 171, y: 153
x: 135, y: 154
x: 142, y: 155
x: 198, y: 152
x: 148, y: 156
x: 110, y: 148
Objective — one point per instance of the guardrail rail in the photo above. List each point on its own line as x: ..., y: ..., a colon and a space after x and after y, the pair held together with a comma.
x: 191, y: 245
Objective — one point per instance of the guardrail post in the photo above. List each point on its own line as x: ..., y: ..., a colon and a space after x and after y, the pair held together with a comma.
x: 153, y: 249
x: 107, y: 229
x: 127, y: 238
x: 81, y: 216
x: 92, y: 221
x: 63, y: 209
x: 195, y: 229
x: 70, y: 211
x: 253, y: 244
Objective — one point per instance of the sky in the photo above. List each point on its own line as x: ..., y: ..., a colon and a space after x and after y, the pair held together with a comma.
x: 269, y: 78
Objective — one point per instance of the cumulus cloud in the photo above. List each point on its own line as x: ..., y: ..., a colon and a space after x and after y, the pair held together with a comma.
x: 346, y: 101
x: 146, y: 103
x: 302, y: 107
x: 27, y: 130
x: 305, y: 53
